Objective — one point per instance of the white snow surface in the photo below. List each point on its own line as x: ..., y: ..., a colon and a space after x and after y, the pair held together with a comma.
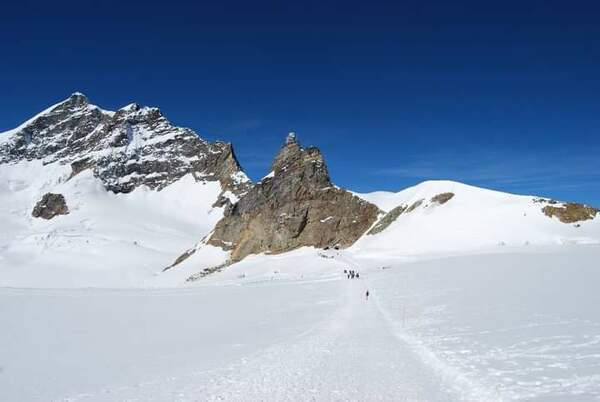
x: 474, y: 218
x: 509, y: 324
x: 107, y: 240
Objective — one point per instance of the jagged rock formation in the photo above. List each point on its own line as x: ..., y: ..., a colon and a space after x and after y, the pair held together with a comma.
x: 50, y: 206
x: 295, y: 205
x: 125, y: 149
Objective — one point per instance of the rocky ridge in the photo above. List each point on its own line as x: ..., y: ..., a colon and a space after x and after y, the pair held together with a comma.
x: 125, y: 149
x: 295, y: 205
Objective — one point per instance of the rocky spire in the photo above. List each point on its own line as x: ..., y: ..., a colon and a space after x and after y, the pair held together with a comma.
x: 295, y: 206
x: 306, y: 164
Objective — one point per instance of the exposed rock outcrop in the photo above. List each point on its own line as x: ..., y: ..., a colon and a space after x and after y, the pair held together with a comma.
x: 442, y: 198
x: 295, y: 205
x: 388, y: 219
x: 49, y: 206
x: 570, y: 212
x: 125, y: 149
x: 415, y: 205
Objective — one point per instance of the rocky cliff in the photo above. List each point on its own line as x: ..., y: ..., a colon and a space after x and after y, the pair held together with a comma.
x: 125, y: 149
x: 293, y: 206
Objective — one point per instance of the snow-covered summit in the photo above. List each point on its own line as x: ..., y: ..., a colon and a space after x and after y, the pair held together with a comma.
x: 448, y: 216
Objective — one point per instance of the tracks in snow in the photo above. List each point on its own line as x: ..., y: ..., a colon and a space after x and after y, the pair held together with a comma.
x: 351, y: 356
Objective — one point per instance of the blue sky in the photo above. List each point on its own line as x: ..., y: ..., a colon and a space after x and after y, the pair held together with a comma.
x: 504, y: 96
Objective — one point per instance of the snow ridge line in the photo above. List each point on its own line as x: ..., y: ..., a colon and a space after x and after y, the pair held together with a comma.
x: 455, y: 380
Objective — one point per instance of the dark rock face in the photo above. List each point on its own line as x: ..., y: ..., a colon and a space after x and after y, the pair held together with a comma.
x: 125, y: 149
x: 295, y: 205
x: 57, y: 133
x: 50, y: 206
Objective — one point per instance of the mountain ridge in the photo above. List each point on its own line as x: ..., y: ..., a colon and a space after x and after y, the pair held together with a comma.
x: 178, y: 188
x: 127, y: 148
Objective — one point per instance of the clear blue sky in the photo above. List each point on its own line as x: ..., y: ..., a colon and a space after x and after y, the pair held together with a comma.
x: 505, y: 96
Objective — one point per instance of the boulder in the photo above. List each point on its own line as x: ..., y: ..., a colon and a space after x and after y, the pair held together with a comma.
x: 49, y: 206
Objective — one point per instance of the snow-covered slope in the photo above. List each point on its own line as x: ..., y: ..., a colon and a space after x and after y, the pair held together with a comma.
x: 107, y: 239
x: 138, y: 191
x: 510, y: 326
x: 141, y: 191
x: 472, y: 218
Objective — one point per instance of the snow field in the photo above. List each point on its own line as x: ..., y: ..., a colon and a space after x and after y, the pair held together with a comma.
x: 107, y: 240
x: 520, y: 324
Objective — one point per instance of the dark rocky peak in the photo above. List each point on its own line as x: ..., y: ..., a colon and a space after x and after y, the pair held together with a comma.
x: 53, y: 134
x: 295, y: 205
x: 75, y: 103
x: 77, y: 99
x: 134, y: 146
x: 296, y: 163
x: 290, y: 152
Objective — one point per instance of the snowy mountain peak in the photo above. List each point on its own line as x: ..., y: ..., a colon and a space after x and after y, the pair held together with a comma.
x: 132, y: 147
x: 78, y: 96
x: 132, y: 107
x: 449, y: 216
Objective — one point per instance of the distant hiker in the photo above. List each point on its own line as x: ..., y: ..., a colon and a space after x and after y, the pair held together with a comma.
x: 357, y: 275
x: 345, y: 271
x: 367, y: 295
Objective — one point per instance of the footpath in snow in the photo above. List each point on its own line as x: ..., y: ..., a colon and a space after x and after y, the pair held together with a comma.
x: 352, y: 355
x: 517, y: 325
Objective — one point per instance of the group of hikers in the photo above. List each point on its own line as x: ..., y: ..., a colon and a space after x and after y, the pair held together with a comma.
x: 352, y: 274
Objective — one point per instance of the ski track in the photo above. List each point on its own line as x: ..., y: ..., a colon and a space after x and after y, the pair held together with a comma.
x: 333, y: 361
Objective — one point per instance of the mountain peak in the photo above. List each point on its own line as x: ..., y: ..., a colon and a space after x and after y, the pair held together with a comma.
x: 295, y: 205
x: 77, y: 94
x: 76, y: 99
x: 125, y: 149
x: 289, y: 152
